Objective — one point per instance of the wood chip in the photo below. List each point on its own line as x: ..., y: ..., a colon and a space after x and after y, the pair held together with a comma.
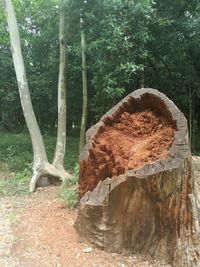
x: 87, y: 250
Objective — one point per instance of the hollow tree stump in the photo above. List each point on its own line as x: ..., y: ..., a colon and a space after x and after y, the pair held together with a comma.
x: 138, y: 183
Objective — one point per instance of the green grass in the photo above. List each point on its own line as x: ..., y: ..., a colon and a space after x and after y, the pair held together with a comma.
x: 16, y: 157
x: 68, y: 192
x: 16, y: 184
x: 15, y: 151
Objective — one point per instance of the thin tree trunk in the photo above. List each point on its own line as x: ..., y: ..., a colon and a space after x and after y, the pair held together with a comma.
x: 84, y: 80
x: 36, y: 137
x: 41, y: 166
x: 193, y: 125
x: 61, y: 132
x: 190, y: 115
x: 142, y: 79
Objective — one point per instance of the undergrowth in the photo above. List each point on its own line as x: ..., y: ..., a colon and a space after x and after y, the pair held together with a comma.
x: 16, y: 184
x: 16, y: 160
x: 67, y: 191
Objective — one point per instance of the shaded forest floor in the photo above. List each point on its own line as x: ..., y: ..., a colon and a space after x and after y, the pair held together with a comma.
x: 37, y: 230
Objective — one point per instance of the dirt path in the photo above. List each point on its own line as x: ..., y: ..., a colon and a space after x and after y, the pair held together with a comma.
x: 6, y: 233
x: 37, y: 231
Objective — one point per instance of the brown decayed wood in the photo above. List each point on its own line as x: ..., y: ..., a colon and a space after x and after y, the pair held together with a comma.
x: 151, y: 208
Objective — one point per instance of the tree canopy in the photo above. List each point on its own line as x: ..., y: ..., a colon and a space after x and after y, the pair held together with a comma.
x: 129, y: 44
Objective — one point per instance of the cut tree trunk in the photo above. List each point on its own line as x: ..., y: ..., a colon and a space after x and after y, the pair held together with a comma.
x: 141, y: 193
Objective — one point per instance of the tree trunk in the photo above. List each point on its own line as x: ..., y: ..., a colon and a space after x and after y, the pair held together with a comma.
x: 139, y: 190
x: 61, y: 132
x: 142, y: 79
x: 84, y: 81
x: 190, y: 116
x: 36, y: 137
x: 41, y: 166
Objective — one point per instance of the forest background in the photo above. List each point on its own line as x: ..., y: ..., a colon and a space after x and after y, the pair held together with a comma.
x: 129, y: 44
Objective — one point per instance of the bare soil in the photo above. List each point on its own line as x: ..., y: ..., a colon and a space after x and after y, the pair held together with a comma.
x: 37, y: 231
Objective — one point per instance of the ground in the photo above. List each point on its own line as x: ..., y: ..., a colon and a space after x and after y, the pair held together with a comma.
x: 37, y: 230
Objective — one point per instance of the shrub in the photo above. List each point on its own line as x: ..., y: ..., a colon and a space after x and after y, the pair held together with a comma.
x: 68, y: 192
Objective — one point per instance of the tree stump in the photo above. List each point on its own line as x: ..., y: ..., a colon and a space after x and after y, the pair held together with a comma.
x: 138, y: 183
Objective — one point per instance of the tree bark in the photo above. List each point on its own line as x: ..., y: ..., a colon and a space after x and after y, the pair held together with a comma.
x: 151, y: 210
x: 190, y: 115
x: 41, y: 166
x: 61, y: 132
x: 36, y: 137
x: 84, y: 81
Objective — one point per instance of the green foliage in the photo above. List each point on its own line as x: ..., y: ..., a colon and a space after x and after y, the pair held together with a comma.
x: 117, y: 38
x: 68, y: 195
x: 74, y: 178
x: 16, y: 161
x: 71, y: 156
x: 16, y: 151
x: 67, y: 191
x: 17, y: 184
x: 126, y: 42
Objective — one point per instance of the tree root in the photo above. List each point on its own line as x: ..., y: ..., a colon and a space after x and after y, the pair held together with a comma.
x: 33, y: 181
x: 48, y: 170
